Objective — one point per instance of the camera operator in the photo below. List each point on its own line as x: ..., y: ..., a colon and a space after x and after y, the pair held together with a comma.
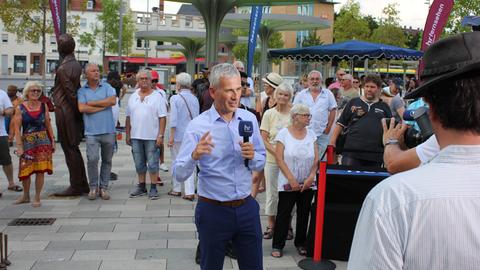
x: 426, y: 218
x: 395, y: 158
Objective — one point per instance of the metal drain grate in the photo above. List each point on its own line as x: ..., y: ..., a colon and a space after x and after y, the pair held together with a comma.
x: 32, y: 221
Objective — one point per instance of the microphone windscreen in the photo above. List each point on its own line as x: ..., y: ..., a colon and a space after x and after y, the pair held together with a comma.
x: 245, y: 128
x: 408, y: 115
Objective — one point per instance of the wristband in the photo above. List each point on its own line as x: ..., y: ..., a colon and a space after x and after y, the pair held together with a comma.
x: 391, y: 142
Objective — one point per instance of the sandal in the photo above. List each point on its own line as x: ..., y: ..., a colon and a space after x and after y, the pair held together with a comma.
x: 174, y: 193
x: 36, y: 204
x: 302, y: 251
x: 16, y: 188
x: 21, y: 200
x: 189, y: 197
x: 268, y: 234
x: 290, y: 234
x: 159, y: 181
x: 276, y: 253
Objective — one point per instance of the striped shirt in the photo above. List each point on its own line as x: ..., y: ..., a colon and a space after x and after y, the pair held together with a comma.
x: 426, y: 218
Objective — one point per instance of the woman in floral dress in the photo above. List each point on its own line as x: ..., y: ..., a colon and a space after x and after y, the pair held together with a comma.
x: 35, y: 142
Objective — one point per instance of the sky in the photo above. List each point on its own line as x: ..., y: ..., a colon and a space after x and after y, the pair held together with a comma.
x: 412, y: 12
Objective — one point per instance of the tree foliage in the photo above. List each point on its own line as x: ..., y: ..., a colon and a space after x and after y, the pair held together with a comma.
x: 240, y: 50
x: 104, y: 34
x: 350, y: 24
x: 312, y: 39
x: 461, y: 8
x: 389, y: 30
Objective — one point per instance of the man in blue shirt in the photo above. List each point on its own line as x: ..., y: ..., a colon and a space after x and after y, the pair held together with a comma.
x: 225, y: 210
x: 95, y: 101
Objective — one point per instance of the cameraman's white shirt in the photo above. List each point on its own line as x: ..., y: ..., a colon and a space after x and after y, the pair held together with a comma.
x: 428, y: 149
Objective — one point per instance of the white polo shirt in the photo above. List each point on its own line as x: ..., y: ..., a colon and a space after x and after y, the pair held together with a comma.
x: 5, y: 103
x: 319, y: 108
x: 144, y: 115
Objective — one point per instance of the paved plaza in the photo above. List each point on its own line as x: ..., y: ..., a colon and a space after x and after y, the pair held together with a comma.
x: 122, y: 233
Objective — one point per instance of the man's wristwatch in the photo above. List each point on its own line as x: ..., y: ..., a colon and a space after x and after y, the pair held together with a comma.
x: 391, y: 141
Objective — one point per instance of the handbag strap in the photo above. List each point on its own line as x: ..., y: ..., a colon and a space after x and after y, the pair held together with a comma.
x: 184, y: 100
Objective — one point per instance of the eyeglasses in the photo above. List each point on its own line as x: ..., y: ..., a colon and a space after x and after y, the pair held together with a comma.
x: 245, y: 84
x: 155, y: 81
x: 35, y: 91
x: 342, y: 74
x: 143, y: 79
x: 305, y: 115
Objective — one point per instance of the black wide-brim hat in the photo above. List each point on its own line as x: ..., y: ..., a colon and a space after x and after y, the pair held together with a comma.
x: 447, y: 59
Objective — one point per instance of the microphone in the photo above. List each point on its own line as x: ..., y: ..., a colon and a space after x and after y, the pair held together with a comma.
x: 245, y: 129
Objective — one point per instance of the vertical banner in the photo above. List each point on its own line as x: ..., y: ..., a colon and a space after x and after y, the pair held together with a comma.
x: 255, y: 19
x: 436, y: 20
x: 55, y: 8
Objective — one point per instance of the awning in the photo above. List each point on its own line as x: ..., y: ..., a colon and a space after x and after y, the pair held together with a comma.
x: 154, y: 61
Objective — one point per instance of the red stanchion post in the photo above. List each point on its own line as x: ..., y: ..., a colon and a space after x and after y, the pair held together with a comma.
x: 330, y: 154
x: 317, y: 263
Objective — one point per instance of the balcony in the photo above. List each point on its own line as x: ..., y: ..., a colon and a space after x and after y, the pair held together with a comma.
x: 159, y: 21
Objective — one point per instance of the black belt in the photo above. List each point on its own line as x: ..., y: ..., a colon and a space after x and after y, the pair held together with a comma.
x: 234, y: 203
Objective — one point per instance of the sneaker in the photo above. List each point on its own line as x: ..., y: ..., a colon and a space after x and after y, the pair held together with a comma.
x: 164, y: 167
x: 92, y: 195
x: 153, y: 195
x: 104, y: 194
x: 138, y: 192
x: 113, y: 176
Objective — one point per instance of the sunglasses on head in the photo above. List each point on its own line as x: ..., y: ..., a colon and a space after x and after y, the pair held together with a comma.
x: 245, y: 84
x: 155, y: 81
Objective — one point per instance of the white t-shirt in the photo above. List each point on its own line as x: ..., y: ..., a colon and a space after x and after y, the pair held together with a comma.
x: 144, y: 115
x: 116, y: 112
x: 5, y: 103
x: 319, y: 108
x: 164, y: 96
x: 428, y: 149
x: 299, y: 155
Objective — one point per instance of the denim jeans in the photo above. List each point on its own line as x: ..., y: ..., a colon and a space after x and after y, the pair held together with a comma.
x: 96, y: 145
x: 146, y: 155
x: 322, y: 143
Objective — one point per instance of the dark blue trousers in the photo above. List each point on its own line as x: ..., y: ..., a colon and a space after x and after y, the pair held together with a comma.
x: 216, y: 225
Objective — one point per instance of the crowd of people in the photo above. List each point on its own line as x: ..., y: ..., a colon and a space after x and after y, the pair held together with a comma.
x: 290, y: 128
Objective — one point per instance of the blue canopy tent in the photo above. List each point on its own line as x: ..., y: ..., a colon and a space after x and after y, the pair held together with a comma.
x: 348, y: 50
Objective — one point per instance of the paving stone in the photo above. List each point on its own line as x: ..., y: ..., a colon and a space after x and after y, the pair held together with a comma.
x: 138, y: 244
x: 57, y: 214
x: 77, y: 245
x: 95, y: 214
x: 72, y: 221
x: 110, y: 236
x: 181, y: 213
x: 25, y: 264
x: 153, y: 207
x: 167, y: 235
x: 99, y: 202
x: 134, y: 264
x: 26, y: 245
x: 153, y: 213
x: 27, y: 229
x: 87, y: 228
x: 116, y: 221
x: 182, y: 243
x: 123, y: 208
x: 70, y: 265
x: 140, y: 227
x: 54, y: 236
x: 88, y: 255
x: 167, y: 220
x: 48, y: 255
x: 181, y: 227
x: 285, y: 261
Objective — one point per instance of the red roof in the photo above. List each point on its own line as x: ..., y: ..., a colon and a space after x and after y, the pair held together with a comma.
x: 155, y: 61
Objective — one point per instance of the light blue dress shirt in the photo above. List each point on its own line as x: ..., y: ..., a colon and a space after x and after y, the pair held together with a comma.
x: 179, y: 113
x: 223, y: 175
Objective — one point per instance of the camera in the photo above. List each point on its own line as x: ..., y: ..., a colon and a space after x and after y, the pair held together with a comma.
x: 413, y: 137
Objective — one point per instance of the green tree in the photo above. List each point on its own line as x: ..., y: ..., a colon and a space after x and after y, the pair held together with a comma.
x: 372, y: 23
x: 31, y: 21
x: 461, y: 8
x: 104, y: 34
x: 312, y: 39
x: 240, y: 50
x: 389, y: 30
x: 350, y: 24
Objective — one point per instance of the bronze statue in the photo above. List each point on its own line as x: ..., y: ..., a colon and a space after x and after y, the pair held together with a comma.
x: 68, y: 118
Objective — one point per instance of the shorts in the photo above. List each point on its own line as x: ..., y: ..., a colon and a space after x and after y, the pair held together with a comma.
x: 5, y: 158
x: 146, y: 156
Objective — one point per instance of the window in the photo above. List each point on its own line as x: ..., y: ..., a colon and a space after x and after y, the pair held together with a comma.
x: 19, y: 63
x: 267, y: 10
x: 83, y: 23
x: 51, y: 66
x: 4, y: 38
x: 147, y: 43
x: 188, y: 21
x: 139, y: 43
x: 159, y: 43
x: 53, y: 40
